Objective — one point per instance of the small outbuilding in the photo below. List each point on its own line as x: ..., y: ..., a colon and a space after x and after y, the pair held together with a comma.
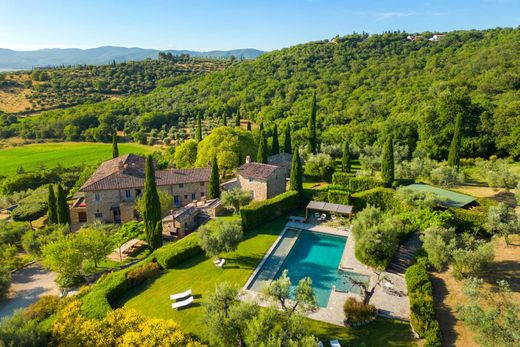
x: 327, y: 207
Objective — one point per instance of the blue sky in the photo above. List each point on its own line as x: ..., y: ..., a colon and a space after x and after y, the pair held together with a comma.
x: 221, y: 24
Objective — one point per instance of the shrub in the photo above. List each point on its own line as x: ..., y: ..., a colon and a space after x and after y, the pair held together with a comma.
x: 260, y: 212
x: 46, y: 306
x: 15, y: 330
x: 338, y: 197
x: 356, y: 312
x: 143, y: 273
x: 32, y: 207
x: 341, y: 178
x: 176, y: 252
x: 5, y: 282
x: 469, y: 220
x: 422, y: 310
x: 378, y: 197
x: 355, y: 184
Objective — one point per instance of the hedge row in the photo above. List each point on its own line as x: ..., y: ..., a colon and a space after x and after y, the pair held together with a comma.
x: 33, y: 206
x: 466, y: 220
x: 422, y: 311
x: 338, y: 197
x: 378, y: 197
x: 261, y: 212
x: 355, y: 184
x: 109, y: 288
x: 176, y: 252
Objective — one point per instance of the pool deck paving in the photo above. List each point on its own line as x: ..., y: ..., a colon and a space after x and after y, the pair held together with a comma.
x: 390, y: 297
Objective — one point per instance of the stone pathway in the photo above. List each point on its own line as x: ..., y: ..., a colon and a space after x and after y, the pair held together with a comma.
x: 28, y: 285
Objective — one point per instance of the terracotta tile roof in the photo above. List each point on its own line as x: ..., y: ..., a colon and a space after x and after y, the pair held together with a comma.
x: 128, y: 171
x: 257, y: 170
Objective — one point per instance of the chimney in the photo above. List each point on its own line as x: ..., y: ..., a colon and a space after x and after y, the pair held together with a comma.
x: 248, y: 159
x: 120, y: 166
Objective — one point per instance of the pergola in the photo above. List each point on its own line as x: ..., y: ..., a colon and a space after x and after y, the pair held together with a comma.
x: 339, y: 209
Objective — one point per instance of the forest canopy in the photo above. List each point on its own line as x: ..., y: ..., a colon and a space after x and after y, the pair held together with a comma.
x: 367, y: 87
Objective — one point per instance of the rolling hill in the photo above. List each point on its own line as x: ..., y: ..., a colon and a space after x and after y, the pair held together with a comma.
x: 10, y: 59
x: 367, y: 87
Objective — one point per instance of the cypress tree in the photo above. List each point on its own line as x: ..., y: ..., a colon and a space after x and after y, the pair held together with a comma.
x: 214, y: 181
x: 387, y: 162
x: 224, y: 120
x: 276, y: 145
x: 237, y: 119
x: 152, y: 207
x: 296, y: 180
x: 198, y: 131
x: 287, y: 147
x: 454, y: 154
x: 62, y: 208
x: 345, y: 158
x: 51, y: 203
x: 248, y: 125
x: 261, y: 156
x: 115, y: 148
x: 312, y: 126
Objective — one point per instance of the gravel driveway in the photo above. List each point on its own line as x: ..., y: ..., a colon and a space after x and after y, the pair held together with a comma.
x: 28, y: 284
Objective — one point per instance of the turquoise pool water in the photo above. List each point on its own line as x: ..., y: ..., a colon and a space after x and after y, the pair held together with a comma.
x: 317, y: 256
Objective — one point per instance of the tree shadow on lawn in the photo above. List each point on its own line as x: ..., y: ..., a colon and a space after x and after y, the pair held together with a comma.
x: 381, y: 332
x: 507, y: 270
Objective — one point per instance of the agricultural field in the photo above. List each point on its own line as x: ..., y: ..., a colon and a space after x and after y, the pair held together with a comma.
x: 63, y: 153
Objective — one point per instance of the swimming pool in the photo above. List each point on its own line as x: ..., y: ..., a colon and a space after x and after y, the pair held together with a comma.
x: 306, y: 254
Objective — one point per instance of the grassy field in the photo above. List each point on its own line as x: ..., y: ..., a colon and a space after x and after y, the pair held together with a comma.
x: 201, y: 275
x: 65, y: 153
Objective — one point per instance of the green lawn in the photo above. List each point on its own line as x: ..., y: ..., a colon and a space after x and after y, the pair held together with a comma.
x: 64, y: 153
x: 201, y: 276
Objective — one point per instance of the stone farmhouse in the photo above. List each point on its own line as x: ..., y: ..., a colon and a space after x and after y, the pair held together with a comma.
x: 110, y: 193
x: 264, y: 181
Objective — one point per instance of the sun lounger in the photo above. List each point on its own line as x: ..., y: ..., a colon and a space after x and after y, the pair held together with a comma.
x: 180, y: 295
x: 221, y: 264
x: 334, y: 343
x: 183, y: 303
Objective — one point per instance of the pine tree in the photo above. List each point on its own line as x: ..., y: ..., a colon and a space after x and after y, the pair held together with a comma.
x: 51, y: 203
x: 261, y: 157
x: 115, y: 148
x: 296, y: 180
x: 454, y: 154
x: 214, y: 181
x: 387, y: 162
x: 198, y: 131
x: 152, y: 207
x: 276, y: 145
x: 345, y: 158
x: 287, y: 147
x: 237, y: 119
x: 62, y: 208
x: 312, y: 126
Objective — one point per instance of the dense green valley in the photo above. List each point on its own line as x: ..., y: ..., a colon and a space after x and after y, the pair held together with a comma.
x: 367, y: 86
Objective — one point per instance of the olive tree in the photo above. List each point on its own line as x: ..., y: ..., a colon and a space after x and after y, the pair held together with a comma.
x: 235, y: 198
x: 439, y: 243
x: 220, y: 236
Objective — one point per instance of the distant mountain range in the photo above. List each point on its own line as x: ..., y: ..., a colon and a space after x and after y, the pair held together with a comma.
x: 10, y: 59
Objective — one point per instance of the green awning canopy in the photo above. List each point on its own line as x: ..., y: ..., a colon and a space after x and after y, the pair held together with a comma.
x: 452, y: 199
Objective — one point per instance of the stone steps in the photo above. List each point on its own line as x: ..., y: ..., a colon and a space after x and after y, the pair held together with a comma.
x: 404, y: 255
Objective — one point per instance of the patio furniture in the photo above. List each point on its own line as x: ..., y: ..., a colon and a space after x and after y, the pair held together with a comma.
x: 320, y: 344
x: 180, y: 295
x: 323, y: 216
x: 221, y: 263
x: 334, y: 343
x: 316, y: 215
x: 183, y: 303
x: 333, y: 217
